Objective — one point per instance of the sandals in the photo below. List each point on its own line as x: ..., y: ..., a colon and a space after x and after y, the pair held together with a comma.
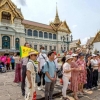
x: 65, y: 98
x: 76, y: 98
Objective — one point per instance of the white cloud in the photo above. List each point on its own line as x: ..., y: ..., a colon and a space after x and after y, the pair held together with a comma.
x: 74, y: 26
x: 84, y: 40
x: 22, y: 2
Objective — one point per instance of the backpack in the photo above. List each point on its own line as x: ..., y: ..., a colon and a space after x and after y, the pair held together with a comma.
x: 37, y: 77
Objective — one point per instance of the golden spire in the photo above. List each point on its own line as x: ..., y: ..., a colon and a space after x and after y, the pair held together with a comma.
x: 57, y: 20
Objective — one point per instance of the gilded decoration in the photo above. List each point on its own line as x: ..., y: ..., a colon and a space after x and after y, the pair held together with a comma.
x: 97, y: 38
x: 64, y: 27
x: 57, y: 20
x: 7, y: 5
x: 57, y: 25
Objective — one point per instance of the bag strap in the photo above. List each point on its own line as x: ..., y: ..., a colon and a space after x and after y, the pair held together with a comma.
x: 47, y: 64
x: 43, y: 57
x: 55, y: 64
x: 35, y: 69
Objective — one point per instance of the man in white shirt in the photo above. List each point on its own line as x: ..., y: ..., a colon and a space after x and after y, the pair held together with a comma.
x: 94, y: 64
x: 42, y: 58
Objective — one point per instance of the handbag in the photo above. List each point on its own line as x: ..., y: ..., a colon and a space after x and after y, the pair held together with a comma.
x: 37, y: 77
x: 59, y: 73
x: 43, y: 66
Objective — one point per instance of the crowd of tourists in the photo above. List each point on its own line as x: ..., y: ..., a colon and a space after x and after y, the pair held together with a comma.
x: 7, y: 62
x: 77, y: 71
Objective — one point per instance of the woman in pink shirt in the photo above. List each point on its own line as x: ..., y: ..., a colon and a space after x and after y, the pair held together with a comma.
x: 3, y: 60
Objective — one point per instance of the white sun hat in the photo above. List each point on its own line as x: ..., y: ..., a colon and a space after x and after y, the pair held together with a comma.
x: 68, y: 57
x: 74, y: 55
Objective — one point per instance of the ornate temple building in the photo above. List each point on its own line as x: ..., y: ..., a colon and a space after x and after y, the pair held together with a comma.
x: 75, y: 44
x: 96, y: 42
x: 15, y: 30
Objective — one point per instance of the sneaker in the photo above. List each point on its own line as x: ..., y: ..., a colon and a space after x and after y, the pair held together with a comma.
x: 80, y: 93
x: 39, y: 88
x: 23, y: 94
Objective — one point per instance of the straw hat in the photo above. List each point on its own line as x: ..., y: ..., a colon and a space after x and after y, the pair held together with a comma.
x: 32, y: 52
x: 68, y: 57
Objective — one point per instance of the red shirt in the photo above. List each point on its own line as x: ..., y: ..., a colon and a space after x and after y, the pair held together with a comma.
x: 8, y: 60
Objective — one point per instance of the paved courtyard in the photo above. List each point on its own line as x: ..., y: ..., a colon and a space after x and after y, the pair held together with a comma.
x: 11, y: 91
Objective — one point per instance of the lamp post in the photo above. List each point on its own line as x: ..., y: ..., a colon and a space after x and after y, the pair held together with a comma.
x: 68, y: 39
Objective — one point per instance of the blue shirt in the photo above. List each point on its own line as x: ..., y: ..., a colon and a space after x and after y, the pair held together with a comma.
x: 12, y: 60
x: 51, y: 69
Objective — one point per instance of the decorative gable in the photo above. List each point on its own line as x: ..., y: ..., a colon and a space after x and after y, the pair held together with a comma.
x: 97, y: 38
x: 64, y: 27
x: 8, y: 6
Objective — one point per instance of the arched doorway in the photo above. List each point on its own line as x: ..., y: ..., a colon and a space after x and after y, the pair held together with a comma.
x: 17, y: 43
x: 5, y: 42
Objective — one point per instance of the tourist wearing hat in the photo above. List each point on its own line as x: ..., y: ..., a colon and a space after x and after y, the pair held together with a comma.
x: 82, y: 74
x: 66, y: 75
x: 95, y: 64
x: 74, y: 76
x: 30, y: 75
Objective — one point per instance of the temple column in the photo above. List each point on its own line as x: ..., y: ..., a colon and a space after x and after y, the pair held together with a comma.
x: 0, y: 42
x: 0, y: 16
x: 14, y: 42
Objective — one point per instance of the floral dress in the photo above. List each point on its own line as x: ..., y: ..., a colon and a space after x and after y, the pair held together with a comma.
x: 74, y: 77
x: 82, y: 79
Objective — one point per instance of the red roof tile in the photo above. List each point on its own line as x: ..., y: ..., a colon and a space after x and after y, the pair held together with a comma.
x: 27, y: 22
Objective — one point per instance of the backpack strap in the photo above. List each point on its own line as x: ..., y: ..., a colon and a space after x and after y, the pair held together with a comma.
x: 47, y: 64
x: 35, y: 69
x: 43, y: 57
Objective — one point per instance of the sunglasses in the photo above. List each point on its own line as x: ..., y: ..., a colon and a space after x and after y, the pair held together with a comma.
x: 35, y: 55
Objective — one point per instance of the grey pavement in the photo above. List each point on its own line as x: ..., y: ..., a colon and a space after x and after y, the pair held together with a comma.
x: 12, y: 91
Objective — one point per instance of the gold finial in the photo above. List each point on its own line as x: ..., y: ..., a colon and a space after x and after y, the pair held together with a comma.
x: 56, y: 10
x: 57, y: 20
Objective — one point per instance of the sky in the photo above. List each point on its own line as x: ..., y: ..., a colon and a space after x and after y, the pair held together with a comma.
x: 82, y: 16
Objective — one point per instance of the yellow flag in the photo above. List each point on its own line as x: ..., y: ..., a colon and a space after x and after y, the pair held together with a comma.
x: 24, y: 51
